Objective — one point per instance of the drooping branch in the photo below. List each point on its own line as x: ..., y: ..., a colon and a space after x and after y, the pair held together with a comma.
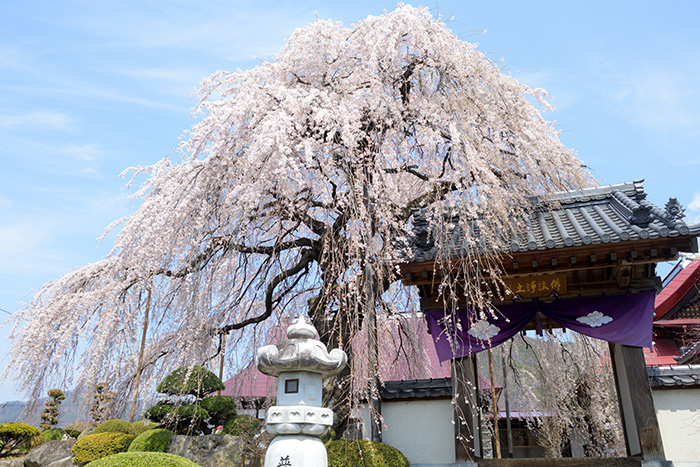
x: 296, y: 172
x: 307, y: 257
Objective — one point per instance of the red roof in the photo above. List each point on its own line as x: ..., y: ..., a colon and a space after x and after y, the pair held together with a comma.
x: 662, y: 352
x: 399, y: 360
x: 250, y: 383
x: 665, y: 348
x: 677, y: 323
x: 676, y: 289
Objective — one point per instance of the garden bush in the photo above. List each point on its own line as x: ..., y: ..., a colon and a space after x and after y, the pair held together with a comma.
x: 115, y: 426
x: 243, y: 425
x: 157, y: 440
x: 50, y: 414
x: 220, y: 409
x: 143, y: 459
x: 99, y: 445
x: 142, y: 426
x: 183, y: 411
x: 16, y: 437
x: 86, y: 432
x: 182, y: 419
x: 194, y: 380
x: 353, y: 453
x: 52, y: 434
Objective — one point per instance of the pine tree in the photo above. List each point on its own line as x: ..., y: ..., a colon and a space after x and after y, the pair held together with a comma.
x: 100, y: 404
x: 50, y: 414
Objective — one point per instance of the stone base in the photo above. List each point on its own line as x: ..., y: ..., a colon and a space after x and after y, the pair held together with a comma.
x: 589, y: 462
x: 296, y: 451
x: 573, y: 462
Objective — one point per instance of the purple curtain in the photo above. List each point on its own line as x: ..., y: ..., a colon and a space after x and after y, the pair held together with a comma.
x: 622, y: 319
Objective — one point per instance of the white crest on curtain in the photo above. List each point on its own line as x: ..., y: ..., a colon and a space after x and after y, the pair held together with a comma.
x: 483, y: 330
x: 594, y: 319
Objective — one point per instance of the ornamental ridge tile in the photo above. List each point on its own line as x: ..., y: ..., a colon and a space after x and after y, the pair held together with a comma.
x: 591, y: 216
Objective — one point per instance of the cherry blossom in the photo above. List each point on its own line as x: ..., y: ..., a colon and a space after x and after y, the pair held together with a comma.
x: 297, y: 181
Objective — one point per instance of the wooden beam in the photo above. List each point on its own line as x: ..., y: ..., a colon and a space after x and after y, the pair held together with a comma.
x: 467, y: 422
x: 641, y: 427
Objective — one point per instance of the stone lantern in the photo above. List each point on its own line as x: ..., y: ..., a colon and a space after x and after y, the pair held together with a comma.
x: 298, y: 420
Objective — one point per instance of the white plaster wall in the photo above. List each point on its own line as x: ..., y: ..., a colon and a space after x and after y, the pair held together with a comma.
x: 678, y: 412
x: 422, y: 430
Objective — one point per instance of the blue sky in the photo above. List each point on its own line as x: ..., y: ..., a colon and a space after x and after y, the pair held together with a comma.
x: 88, y: 89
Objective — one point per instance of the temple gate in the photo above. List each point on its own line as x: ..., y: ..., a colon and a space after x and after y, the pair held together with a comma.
x: 587, y: 265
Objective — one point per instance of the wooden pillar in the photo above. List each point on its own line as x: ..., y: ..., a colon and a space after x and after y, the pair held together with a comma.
x: 466, y: 417
x: 642, y: 435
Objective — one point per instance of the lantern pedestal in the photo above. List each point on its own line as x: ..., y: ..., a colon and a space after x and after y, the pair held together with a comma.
x: 296, y: 451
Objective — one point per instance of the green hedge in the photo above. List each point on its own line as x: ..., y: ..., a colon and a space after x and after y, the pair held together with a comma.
x: 115, y: 426
x: 243, y: 425
x: 142, y: 426
x: 86, y: 432
x: 352, y: 453
x: 143, y: 459
x: 99, y: 445
x: 16, y: 436
x: 157, y: 440
x: 220, y: 408
x: 194, y: 380
x: 52, y: 434
x: 181, y: 419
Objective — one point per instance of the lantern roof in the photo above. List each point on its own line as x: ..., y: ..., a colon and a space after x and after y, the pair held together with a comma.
x: 300, y: 352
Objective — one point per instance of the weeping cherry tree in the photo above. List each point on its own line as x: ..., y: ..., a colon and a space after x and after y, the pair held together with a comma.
x: 295, y: 190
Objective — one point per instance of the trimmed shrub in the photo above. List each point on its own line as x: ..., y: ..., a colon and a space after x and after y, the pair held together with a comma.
x: 142, y: 426
x: 86, y: 432
x: 49, y: 417
x: 353, y: 453
x: 182, y: 411
x: 220, y: 408
x: 243, y: 425
x: 143, y: 459
x: 115, y: 426
x: 157, y: 440
x: 194, y: 380
x: 52, y: 434
x: 99, y: 445
x: 183, y: 419
x: 75, y: 429
x: 16, y: 436
x: 101, y: 402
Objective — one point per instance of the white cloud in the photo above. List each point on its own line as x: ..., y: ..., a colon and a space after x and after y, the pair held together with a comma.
x: 663, y: 100
x: 41, y: 120
x: 659, y: 94
x: 80, y: 159
x: 230, y: 30
x: 21, y: 250
x: 693, y: 211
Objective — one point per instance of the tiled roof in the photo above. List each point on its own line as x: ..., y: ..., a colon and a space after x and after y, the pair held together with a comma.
x: 677, y: 289
x: 610, y: 214
x: 663, y: 352
x: 428, y: 388
x: 417, y: 388
x: 674, y: 375
x: 690, y: 353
